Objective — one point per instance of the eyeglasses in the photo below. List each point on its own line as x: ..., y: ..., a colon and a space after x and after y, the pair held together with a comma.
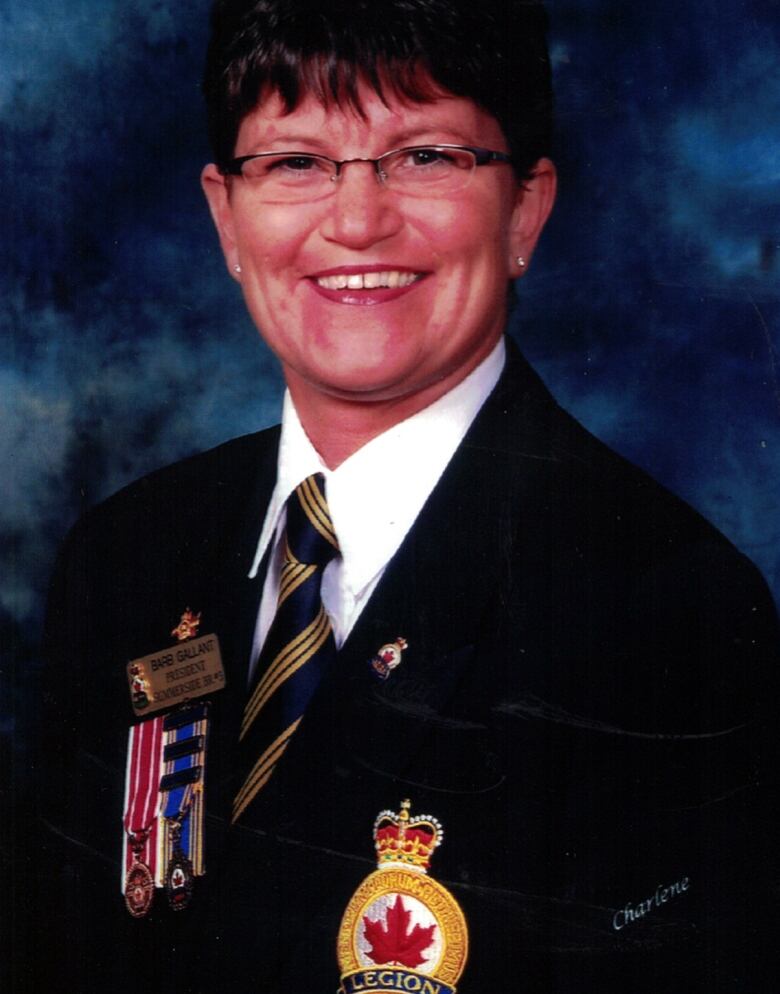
x: 419, y: 171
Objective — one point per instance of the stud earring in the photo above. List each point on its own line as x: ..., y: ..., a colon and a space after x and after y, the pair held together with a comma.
x: 236, y: 268
x: 520, y: 261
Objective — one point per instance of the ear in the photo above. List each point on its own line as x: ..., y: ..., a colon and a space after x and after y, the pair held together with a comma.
x: 533, y: 204
x: 215, y: 186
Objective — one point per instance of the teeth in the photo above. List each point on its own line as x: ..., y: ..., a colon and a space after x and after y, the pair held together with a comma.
x: 368, y: 281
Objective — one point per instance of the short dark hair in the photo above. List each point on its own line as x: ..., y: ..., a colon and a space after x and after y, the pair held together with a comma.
x: 493, y: 52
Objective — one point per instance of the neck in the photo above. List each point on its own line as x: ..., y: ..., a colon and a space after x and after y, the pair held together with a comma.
x: 338, y: 426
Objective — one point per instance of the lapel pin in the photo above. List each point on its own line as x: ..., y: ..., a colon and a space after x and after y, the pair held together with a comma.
x: 188, y: 626
x: 388, y: 657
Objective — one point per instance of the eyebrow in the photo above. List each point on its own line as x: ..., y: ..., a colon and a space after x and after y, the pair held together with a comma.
x: 417, y: 136
x: 400, y: 139
x: 286, y: 142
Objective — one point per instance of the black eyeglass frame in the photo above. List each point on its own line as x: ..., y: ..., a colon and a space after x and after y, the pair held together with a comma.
x: 482, y: 157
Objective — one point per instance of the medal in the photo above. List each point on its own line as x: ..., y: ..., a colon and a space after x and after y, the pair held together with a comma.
x: 181, y: 789
x: 139, y: 885
x: 402, y: 931
x: 141, y: 809
x: 179, y: 877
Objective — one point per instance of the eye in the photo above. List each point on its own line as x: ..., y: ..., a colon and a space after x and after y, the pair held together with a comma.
x: 427, y: 169
x: 286, y: 168
x: 293, y: 163
x: 428, y: 157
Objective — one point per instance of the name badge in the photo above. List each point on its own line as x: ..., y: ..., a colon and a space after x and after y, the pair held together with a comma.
x: 176, y: 674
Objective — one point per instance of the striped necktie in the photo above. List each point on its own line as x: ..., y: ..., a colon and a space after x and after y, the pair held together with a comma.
x: 299, y: 646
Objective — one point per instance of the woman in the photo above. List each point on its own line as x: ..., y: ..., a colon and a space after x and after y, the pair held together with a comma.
x: 500, y: 619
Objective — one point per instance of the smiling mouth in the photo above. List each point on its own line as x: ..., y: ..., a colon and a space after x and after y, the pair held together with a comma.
x: 391, y: 279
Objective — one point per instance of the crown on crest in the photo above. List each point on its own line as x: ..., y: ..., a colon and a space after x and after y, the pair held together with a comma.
x: 405, y: 841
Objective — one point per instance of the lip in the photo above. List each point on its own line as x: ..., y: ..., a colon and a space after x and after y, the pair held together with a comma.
x: 366, y: 297
x: 378, y: 267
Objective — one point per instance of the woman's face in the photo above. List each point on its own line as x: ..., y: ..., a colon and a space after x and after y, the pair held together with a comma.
x: 451, y: 256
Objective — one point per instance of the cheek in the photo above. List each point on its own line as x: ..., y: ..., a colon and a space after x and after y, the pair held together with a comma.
x: 468, y: 235
x: 269, y: 239
x: 472, y: 246
x: 269, y: 248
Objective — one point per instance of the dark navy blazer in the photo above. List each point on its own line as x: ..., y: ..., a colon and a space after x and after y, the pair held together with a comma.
x: 585, y: 705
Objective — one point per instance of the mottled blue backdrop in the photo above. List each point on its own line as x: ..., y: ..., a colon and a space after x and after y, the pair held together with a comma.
x: 652, y: 308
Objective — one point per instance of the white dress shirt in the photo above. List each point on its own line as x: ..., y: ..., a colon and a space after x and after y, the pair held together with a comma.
x: 374, y: 496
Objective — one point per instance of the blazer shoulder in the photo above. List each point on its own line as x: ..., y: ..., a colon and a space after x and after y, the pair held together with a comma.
x: 227, y: 472
x: 584, y: 477
x: 184, y: 512
x: 225, y: 466
x: 618, y: 572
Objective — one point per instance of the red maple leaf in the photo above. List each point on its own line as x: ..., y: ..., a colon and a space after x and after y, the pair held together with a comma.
x: 393, y: 942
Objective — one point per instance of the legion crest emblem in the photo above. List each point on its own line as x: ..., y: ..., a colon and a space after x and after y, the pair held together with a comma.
x: 388, y: 657
x: 402, y: 931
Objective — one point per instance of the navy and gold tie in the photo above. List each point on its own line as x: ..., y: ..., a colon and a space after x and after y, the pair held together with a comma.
x: 299, y: 645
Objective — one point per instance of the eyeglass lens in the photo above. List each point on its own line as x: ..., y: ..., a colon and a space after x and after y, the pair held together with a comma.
x: 423, y: 172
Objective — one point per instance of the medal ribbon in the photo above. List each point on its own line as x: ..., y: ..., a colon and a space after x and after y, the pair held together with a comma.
x: 181, y: 789
x: 142, y: 796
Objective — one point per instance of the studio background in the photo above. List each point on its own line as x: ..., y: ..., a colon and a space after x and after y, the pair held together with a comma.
x: 652, y: 308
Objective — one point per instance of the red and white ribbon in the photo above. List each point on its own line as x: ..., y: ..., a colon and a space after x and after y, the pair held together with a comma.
x: 142, y: 794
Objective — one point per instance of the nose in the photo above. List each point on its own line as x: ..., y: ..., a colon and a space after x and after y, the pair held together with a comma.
x: 362, y: 211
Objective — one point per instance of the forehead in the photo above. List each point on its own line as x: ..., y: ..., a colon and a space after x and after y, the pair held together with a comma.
x: 373, y: 126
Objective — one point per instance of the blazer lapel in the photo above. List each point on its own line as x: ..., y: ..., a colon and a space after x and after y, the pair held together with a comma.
x: 452, y: 570
x: 441, y: 593
x: 230, y: 602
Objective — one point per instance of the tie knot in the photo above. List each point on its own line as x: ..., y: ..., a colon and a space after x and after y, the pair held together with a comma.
x: 310, y: 535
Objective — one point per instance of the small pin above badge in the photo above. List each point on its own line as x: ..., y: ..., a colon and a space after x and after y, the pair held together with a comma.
x: 388, y: 657
x: 188, y: 626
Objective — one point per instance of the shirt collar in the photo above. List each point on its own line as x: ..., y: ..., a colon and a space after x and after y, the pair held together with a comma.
x: 376, y: 494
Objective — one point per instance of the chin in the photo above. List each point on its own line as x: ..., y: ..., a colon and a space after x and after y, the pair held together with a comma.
x: 357, y: 369
x: 363, y: 387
